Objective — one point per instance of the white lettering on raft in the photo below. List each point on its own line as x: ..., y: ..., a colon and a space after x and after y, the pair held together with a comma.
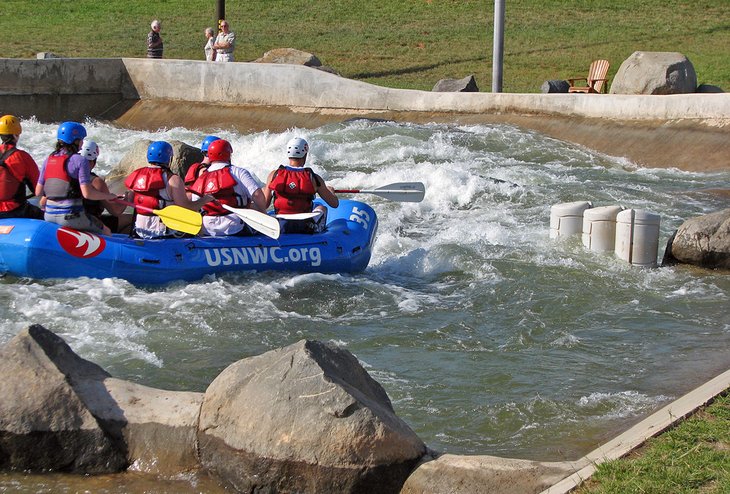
x: 234, y: 256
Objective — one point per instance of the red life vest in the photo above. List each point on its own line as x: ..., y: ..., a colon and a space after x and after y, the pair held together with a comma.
x: 59, y: 185
x: 147, y: 183
x: 294, y: 190
x: 221, y: 185
x: 12, y: 190
x: 192, y: 174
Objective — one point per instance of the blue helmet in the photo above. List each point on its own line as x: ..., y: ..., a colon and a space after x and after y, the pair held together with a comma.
x: 206, y: 143
x: 159, y: 152
x: 70, y: 132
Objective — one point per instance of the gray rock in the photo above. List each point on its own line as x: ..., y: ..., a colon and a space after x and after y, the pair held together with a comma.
x: 709, y: 88
x: 184, y: 155
x: 45, y: 421
x: 290, y: 56
x: 453, y: 474
x: 46, y: 54
x: 555, y: 86
x: 647, y: 72
x: 328, y: 69
x: 466, y: 85
x: 61, y: 412
x: 305, y: 418
x: 704, y: 241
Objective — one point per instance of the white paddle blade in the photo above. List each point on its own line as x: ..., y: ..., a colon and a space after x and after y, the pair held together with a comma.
x: 402, y: 192
x: 299, y: 216
x: 263, y: 223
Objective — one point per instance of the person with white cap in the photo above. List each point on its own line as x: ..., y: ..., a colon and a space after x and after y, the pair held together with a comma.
x: 293, y: 188
x: 154, y: 40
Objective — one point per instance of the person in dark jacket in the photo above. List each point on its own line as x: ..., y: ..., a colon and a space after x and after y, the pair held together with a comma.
x: 154, y: 40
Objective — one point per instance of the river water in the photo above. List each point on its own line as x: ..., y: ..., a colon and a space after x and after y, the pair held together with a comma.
x: 489, y: 337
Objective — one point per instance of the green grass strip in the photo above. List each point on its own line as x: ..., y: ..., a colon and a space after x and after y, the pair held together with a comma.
x: 693, y: 457
x: 404, y: 44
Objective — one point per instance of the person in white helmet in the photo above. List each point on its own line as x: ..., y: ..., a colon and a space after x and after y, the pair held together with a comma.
x: 293, y: 188
x: 117, y: 220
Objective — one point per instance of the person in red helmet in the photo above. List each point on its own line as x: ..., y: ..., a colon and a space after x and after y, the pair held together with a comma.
x: 293, y: 188
x: 230, y: 185
x: 18, y: 170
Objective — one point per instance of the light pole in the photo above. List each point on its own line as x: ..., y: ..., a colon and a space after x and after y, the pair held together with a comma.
x: 498, y: 47
x: 221, y: 12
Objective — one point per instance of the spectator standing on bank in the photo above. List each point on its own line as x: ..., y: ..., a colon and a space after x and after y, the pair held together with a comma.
x: 210, y: 39
x: 154, y: 41
x: 224, y: 44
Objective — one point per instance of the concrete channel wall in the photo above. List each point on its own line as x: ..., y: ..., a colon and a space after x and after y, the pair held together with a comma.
x: 691, y: 131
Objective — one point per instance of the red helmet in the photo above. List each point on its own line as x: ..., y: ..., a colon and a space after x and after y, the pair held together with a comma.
x: 220, y: 150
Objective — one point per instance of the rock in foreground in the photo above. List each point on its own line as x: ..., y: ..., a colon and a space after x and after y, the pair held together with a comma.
x: 45, y: 424
x: 304, y: 418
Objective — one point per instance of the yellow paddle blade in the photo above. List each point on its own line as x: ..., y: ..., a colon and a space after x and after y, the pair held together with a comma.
x: 180, y: 219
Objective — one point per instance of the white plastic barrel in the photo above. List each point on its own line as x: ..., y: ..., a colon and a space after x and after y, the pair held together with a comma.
x: 599, y: 228
x: 637, y: 237
x: 567, y: 218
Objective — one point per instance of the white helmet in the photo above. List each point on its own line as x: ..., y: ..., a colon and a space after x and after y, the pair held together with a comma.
x: 89, y: 150
x: 297, y: 148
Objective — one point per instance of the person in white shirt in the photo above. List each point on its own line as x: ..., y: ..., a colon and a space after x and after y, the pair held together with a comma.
x: 224, y: 44
x: 231, y: 186
x: 210, y: 39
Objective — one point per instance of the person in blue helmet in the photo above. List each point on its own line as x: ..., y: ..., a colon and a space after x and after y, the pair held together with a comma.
x: 155, y: 186
x: 65, y: 181
x: 197, y: 169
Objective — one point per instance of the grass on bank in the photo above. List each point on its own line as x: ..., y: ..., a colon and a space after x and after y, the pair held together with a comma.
x: 693, y: 457
x: 404, y: 44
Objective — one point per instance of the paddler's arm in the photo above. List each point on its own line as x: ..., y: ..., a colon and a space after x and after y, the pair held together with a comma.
x: 176, y: 189
x: 268, y: 193
x: 326, y: 193
x: 90, y: 193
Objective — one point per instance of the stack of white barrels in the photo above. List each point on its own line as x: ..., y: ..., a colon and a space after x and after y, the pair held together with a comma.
x: 633, y: 234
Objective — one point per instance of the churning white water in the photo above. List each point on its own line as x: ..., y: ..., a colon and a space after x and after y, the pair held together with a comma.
x: 489, y: 337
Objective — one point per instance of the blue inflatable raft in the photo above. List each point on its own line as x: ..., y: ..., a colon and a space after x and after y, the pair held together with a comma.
x: 38, y: 249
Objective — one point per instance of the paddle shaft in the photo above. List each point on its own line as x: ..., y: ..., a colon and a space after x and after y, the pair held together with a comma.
x: 400, y: 192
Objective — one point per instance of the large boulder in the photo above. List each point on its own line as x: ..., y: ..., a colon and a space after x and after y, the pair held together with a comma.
x: 290, y: 56
x: 61, y: 412
x: 649, y: 72
x: 453, y: 474
x: 184, y: 155
x: 45, y: 423
x: 703, y: 241
x: 466, y: 85
x: 304, y: 418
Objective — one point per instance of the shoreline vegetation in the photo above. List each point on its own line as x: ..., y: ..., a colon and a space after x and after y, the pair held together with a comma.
x: 408, y: 45
x: 691, y: 457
